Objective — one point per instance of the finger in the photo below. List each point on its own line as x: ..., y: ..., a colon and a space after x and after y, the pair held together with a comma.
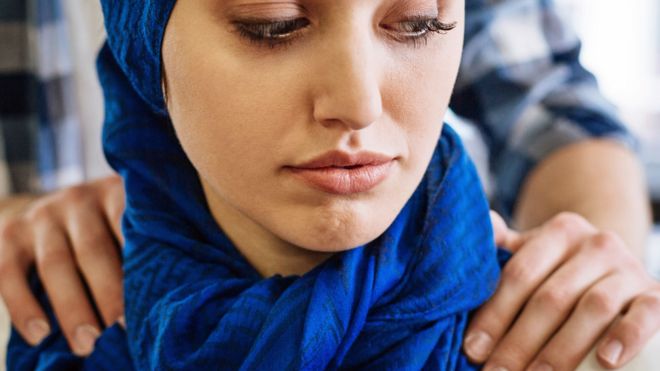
x: 627, y: 338
x: 504, y: 237
x: 113, y: 205
x: 57, y: 270
x: 98, y: 259
x: 24, y: 309
x: 547, y: 309
x: 500, y: 229
x: 597, y: 308
x: 522, y: 275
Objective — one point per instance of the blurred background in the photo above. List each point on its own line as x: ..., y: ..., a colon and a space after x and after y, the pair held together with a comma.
x: 621, y: 45
x: 48, y: 86
x: 48, y: 82
x: 48, y: 79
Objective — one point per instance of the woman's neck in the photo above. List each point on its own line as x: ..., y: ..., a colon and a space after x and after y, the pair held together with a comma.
x: 267, y: 253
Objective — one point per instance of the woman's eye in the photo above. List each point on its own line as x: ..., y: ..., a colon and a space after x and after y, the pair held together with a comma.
x: 417, y: 30
x: 271, y: 33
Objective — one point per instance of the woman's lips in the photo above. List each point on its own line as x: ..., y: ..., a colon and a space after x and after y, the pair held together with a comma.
x: 341, y: 173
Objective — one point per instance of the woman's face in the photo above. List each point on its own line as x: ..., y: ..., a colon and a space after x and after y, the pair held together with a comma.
x: 310, y: 122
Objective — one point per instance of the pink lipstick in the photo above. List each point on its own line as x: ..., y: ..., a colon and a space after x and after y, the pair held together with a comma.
x: 342, y: 173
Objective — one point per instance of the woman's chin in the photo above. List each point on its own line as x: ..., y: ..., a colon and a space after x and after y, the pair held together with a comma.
x: 336, y: 227
x: 339, y: 240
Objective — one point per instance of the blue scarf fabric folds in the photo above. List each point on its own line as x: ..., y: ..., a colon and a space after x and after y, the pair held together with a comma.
x: 193, y: 302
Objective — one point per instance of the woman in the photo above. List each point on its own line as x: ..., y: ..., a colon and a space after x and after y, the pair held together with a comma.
x: 299, y: 210
x: 310, y: 129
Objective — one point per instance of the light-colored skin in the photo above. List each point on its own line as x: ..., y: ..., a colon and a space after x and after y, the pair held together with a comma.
x: 244, y: 112
x: 67, y: 234
x: 567, y: 263
x: 583, y: 260
x: 599, y: 179
x: 565, y: 285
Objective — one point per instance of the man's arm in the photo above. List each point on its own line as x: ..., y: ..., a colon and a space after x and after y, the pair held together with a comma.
x: 522, y: 83
x: 555, y: 145
x: 598, y: 179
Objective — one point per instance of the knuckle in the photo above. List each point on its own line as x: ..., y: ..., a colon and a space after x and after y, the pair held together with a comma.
x: 50, y: 256
x: 76, y: 194
x: 89, y: 245
x: 632, y: 332
x: 606, y: 241
x: 113, y: 182
x: 554, y: 298
x: 513, y: 355
x: 10, y: 229
x: 601, y: 302
x: 39, y: 213
x: 650, y: 301
x: 518, y: 273
x: 568, y: 221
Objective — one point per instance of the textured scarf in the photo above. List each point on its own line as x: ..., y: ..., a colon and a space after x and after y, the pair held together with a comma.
x: 193, y: 302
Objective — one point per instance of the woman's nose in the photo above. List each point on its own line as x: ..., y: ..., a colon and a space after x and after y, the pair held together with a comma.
x: 349, y: 88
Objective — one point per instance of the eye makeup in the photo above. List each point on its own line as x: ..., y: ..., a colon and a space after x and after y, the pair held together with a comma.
x: 271, y: 33
x: 274, y: 33
x: 418, y: 30
x: 274, y: 25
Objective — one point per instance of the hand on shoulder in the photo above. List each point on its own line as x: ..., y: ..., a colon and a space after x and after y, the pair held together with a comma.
x: 72, y: 237
x: 567, y: 288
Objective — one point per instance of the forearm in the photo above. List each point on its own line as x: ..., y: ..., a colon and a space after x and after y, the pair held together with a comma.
x: 598, y: 179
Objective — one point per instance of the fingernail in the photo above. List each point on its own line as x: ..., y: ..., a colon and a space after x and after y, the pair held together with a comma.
x: 611, y: 352
x: 499, y: 368
x: 478, y: 345
x: 37, y: 329
x: 85, y: 337
x: 542, y: 367
x: 122, y: 322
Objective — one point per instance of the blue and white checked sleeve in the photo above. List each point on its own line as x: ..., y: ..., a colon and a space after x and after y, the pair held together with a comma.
x: 522, y: 83
x: 40, y: 132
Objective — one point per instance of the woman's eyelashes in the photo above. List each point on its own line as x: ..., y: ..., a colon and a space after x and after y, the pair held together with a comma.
x: 271, y: 33
x: 275, y: 33
x: 418, y: 31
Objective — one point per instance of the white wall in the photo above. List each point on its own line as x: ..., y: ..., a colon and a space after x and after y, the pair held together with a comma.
x: 621, y: 45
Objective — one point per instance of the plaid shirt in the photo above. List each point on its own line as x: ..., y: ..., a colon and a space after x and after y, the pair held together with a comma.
x: 520, y: 82
x: 40, y: 145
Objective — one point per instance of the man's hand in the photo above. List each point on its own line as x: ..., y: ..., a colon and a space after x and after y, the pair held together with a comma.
x: 566, y: 286
x: 72, y: 238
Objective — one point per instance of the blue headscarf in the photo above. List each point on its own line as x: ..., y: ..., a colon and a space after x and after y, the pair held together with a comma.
x: 193, y: 302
